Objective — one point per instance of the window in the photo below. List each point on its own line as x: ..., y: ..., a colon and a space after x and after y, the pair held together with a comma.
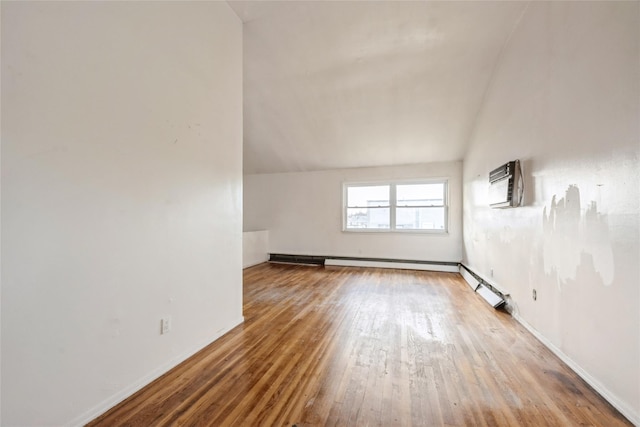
x: 368, y: 206
x: 396, y: 206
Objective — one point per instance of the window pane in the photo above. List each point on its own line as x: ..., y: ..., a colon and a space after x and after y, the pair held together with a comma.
x: 373, y: 195
x: 368, y: 218
x: 420, y: 219
x: 420, y: 194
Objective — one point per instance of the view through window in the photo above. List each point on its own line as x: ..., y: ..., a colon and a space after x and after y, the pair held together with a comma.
x: 414, y: 206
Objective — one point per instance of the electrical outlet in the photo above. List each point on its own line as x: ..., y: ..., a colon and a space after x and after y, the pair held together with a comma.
x: 165, y: 325
x: 491, y: 272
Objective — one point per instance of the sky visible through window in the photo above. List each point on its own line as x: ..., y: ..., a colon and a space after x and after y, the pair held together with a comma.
x: 368, y: 196
x: 420, y: 195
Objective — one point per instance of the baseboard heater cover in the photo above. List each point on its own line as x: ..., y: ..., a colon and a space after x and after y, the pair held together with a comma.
x: 468, y: 277
x: 322, y: 260
x: 495, y: 297
x: 401, y: 265
x: 489, y: 296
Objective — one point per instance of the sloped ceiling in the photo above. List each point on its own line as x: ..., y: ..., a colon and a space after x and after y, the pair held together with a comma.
x: 351, y: 84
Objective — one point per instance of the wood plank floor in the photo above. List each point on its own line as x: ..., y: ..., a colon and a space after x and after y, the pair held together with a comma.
x: 346, y: 346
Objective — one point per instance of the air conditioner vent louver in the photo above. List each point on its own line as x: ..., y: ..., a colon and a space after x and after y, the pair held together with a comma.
x: 502, y: 172
x: 505, y: 186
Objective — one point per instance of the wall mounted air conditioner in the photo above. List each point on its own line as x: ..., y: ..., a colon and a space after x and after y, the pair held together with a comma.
x: 505, y: 185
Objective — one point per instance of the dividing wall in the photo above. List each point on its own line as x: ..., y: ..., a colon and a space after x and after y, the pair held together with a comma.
x: 564, y: 100
x: 121, y: 197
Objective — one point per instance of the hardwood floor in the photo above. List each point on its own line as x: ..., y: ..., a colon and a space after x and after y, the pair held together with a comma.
x: 367, y: 347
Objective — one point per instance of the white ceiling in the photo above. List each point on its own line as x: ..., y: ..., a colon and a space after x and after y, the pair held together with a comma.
x: 350, y: 84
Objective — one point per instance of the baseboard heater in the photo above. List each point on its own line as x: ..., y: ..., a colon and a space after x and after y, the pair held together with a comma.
x: 297, y: 259
x: 488, y: 292
x: 364, y: 262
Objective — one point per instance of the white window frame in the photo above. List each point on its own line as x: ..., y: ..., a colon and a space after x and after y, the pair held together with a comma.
x: 392, y: 206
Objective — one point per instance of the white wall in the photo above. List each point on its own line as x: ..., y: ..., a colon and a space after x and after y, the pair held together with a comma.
x: 564, y: 100
x: 303, y: 213
x: 121, y: 197
x: 255, y: 247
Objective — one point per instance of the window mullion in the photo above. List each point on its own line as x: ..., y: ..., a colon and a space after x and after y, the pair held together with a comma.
x: 392, y: 207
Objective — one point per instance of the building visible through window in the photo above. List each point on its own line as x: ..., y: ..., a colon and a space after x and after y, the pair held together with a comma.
x: 396, y: 206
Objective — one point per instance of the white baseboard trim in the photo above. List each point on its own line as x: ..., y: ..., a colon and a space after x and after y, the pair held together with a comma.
x: 621, y: 406
x: 255, y: 262
x: 118, y: 397
x: 400, y: 265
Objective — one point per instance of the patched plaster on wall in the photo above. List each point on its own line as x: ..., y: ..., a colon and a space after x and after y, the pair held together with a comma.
x: 573, y: 235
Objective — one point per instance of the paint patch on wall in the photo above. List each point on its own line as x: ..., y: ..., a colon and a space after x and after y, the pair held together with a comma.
x: 570, y: 234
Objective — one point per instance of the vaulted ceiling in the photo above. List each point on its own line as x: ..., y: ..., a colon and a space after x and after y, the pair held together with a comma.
x: 351, y: 84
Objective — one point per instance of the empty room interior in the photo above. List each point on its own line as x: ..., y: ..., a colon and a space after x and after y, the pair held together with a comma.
x: 320, y: 213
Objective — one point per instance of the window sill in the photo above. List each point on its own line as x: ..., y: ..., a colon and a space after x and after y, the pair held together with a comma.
x: 382, y: 231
